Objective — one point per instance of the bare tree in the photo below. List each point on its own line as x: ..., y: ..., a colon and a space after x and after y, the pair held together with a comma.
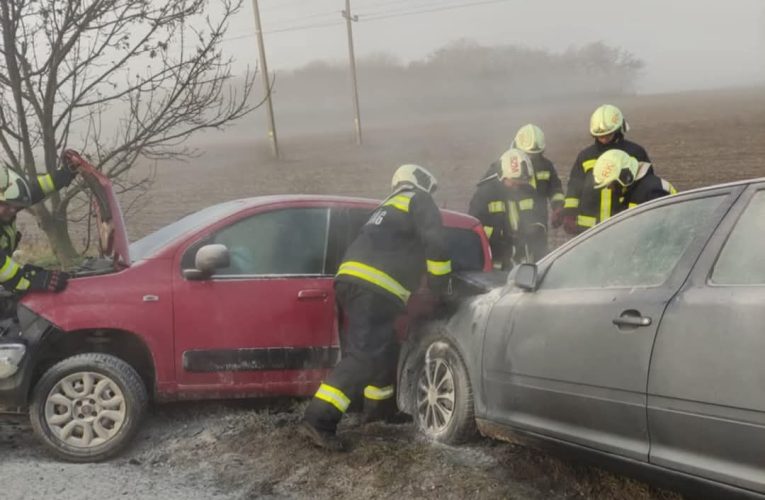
x: 67, y: 66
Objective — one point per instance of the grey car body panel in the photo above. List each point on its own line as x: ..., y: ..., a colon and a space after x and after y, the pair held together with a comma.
x: 706, y: 392
x: 687, y: 403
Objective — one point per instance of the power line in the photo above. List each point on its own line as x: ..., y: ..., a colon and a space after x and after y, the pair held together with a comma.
x: 436, y: 9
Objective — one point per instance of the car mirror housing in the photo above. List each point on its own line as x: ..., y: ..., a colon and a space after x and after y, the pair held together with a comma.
x: 208, y: 259
x: 526, y: 277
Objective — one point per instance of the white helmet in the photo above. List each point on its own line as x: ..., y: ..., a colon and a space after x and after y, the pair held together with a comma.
x: 615, y: 165
x: 416, y: 176
x: 607, y: 119
x: 530, y: 139
x: 515, y: 165
x: 14, y: 189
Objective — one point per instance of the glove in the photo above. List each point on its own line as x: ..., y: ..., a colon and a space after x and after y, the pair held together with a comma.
x: 44, y: 280
x: 556, y: 220
x: 70, y: 159
x: 569, y: 224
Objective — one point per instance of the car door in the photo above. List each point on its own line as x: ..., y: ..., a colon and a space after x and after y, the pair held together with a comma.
x: 706, y: 392
x: 571, y: 359
x: 265, y: 323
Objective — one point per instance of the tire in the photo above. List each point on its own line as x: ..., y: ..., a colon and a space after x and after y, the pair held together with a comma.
x: 87, y: 408
x: 443, y: 396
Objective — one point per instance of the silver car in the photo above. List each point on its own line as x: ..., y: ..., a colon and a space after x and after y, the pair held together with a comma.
x: 642, y: 341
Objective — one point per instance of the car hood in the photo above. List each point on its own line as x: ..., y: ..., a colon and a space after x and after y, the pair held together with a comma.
x: 112, y: 235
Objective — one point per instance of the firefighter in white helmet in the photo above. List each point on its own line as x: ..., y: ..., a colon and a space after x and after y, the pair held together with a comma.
x: 584, y: 205
x: 505, y: 206
x: 630, y: 181
x: 16, y: 194
x: 402, y: 240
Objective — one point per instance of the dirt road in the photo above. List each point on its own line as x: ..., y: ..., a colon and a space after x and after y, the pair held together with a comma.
x: 245, y: 450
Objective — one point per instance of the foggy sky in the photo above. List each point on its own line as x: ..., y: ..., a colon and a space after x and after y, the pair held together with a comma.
x: 686, y: 44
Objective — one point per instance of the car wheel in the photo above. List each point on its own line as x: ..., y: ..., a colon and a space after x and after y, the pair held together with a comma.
x: 444, y: 398
x: 88, y: 407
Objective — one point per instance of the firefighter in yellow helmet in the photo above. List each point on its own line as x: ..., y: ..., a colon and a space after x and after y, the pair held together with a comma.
x: 402, y: 240
x: 584, y: 205
x: 630, y: 181
x: 531, y: 140
x: 16, y: 194
x: 505, y: 206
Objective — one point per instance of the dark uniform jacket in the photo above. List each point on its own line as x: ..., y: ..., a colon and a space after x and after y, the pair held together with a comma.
x: 11, y: 276
x: 646, y: 187
x: 402, y: 239
x: 508, y: 217
x: 587, y: 204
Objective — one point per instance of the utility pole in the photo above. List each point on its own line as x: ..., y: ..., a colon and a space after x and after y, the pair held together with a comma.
x: 348, y: 20
x: 266, y: 83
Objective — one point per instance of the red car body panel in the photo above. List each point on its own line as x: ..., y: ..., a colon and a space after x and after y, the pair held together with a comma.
x: 219, y: 338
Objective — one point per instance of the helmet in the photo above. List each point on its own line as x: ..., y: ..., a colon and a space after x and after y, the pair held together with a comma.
x: 530, y: 139
x: 615, y: 165
x: 607, y: 119
x: 415, y: 175
x: 515, y: 165
x: 14, y: 189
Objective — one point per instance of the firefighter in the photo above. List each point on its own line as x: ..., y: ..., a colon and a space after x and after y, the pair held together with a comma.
x: 631, y: 182
x: 504, y: 203
x: 17, y: 194
x: 584, y: 205
x: 531, y: 140
x: 402, y: 240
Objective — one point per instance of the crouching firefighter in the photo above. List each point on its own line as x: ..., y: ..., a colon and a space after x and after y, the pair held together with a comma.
x: 504, y: 203
x: 402, y: 240
x: 17, y: 194
x: 630, y: 182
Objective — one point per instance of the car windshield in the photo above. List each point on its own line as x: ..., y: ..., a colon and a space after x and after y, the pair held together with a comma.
x: 150, y: 244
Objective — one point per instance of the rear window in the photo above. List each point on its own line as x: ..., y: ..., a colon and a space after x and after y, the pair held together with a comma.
x: 466, y: 249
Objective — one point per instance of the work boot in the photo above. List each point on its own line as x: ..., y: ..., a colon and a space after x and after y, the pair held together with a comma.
x: 322, y: 439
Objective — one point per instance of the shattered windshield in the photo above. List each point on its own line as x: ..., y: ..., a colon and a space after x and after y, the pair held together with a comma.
x: 150, y: 244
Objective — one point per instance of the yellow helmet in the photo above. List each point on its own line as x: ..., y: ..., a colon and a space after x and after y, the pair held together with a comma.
x: 607, y: 119
x: 14, y: 189
x: 615, y: 165
x: 416, y: 176
x: 516, y: 165
x: 530, y: 139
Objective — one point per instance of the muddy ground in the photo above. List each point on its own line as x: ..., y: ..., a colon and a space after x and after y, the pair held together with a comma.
x: 238, y: 451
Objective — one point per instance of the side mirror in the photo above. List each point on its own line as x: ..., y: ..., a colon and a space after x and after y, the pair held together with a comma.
x: 208, y: 259
x: 526, y: 277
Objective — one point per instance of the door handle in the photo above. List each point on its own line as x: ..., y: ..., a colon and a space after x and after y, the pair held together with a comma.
x: 632, y: 318
x: 312, y: 294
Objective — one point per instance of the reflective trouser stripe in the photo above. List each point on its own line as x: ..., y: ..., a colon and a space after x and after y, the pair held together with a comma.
x: 489, y: 230
x: 526, y: 204
x: 605, y: 204
x: 586, y: 221
x: 9, y: 270
x: 333, y: 396
x: 632, y: 205
x: 378, y: 393
x: 543, y: 176
x: 374, y: 276
x: 439, y: 268
x: 558, y: 197
x: 571, y: 203
x: 496, y: 207
x: 46, y: 183
x: 400, y: 201
x: 513, y: 216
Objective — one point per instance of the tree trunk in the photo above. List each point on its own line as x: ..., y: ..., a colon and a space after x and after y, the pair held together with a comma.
x: 57, y: 231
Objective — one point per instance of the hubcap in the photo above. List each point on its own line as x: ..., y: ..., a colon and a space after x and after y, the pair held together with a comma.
x: 85, y: 409
x: 435, y: 396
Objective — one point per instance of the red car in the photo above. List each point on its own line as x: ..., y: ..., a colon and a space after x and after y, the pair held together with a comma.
x: 235, y: 300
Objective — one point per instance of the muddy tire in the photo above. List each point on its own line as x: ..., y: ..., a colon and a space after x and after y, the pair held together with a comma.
x: 88, y: 407
x: 443, y: 395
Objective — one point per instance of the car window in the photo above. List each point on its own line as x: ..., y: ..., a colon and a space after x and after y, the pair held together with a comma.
x: 742, y: 259
x: 282, y: 242
x: 638, y: 251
